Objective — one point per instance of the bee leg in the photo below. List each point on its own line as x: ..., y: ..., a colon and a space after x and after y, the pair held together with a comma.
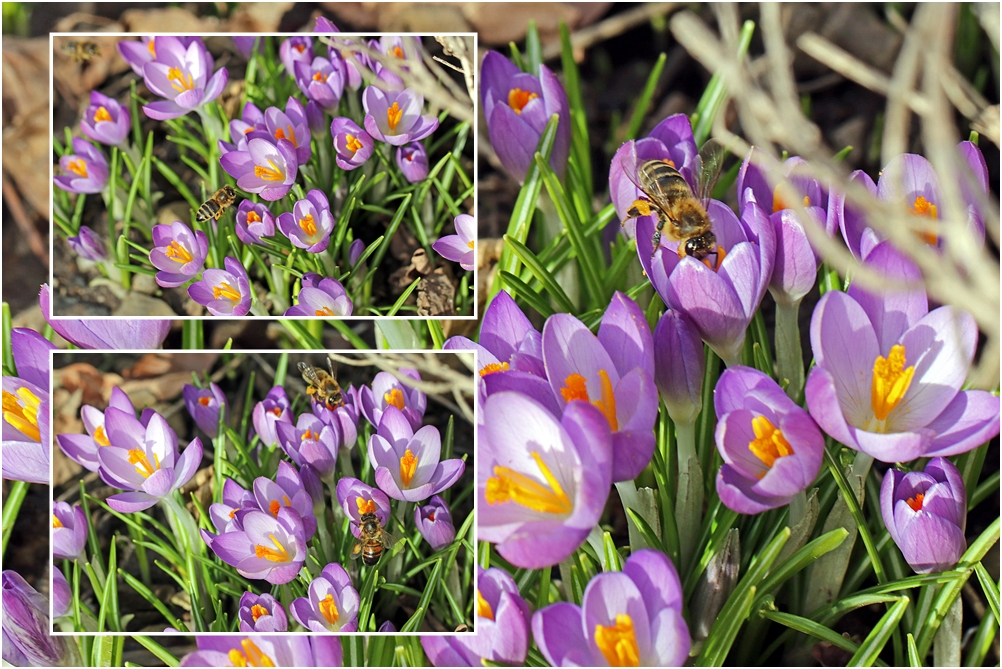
x: 681, y: 251
x: 637, y: 209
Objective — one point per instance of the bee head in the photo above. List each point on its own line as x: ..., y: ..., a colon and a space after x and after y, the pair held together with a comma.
x: 701, y: 246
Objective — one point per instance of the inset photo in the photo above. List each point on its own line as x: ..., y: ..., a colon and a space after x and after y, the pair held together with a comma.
x: 315, y: 175
x: 223, y: 492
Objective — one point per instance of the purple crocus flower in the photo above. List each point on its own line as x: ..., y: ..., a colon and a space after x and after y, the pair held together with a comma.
x: 311, y: 442
x: 204, y: 405
x: 254, y: 221
x: 395, y: 117
x: 223, y: 292
x: 614, y: 372
x: 502, y: 626
x: 356, y: 499
x: 386, y: 391
x: 261, y: 613
x: 460, y: 247
x: 859, y: 237
x: 734, y: 288
x: 137, y: 54
x: 757, y: 180
x: 545, y: 481
x: 321, y: 81
x: 672, y: 141
x: 889, y: 372
x: 181, y: 75
x: 344, y: 48
x: 272, y: 650
x: 88, y: 245
x: 83, y: 448
x: 407, y: 463
x: 314, y: 488
x: 286, y: 491
x: 517, y: 106
x: 266, y: 547
x: 679, y: 365
x: 628, y: 618
x: 355, y: 250
x: 309, y: 225
x: 412, y: 160
x: 245, y: 45
x: 434, y: 522
x: 62, y: 595
x: 926, y: 514
x: 771, y: 448
x: 105, y: 333
x: 224, y: 514
x: 273, y: 409
x: 332, y: 605
x: 297, y: 49
x: 178, y: 253
x: 86, y: 169
x: 69, y: 531
x: 251, y: 119
x: 345, y: 417
x: 266, y: 168
x: 27, y: 641
x: 291, y: 125
x: 26, y: 442
x: 352, y: 144
x: 323, y: 297
x: 105, y: 120
x: 144, y: 460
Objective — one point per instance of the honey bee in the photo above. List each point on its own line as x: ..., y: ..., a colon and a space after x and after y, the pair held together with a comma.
x: 322, y: 386
x: 217, y: 204
x: 681, y: 213
x: 81, y: 51
x: 372, y: 540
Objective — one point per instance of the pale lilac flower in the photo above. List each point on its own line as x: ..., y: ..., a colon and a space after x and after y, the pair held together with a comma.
x: 460, y: 247
x: 69, y: 531
x: 387, y: 391
x: 309, y: 225
x: 62, y: 595
x: 261, y: 613
x: 137, y: 54
x: 27, y: 641
x: 332, y: 605
x: 395, y: 117
x: 178, y: 253
x: 322, y: 81
x: 286, y: 491
x: 322, y: 296
x: 291, y: 125
x: 266, y: 168
x: 297, y: 49
x: 105, y: 333
x: 412, y: 160
x: 86, y: 169
x: 272, y: 650
x: 105, y: 120
x: 204, y: 406
x: 273, y: 409
x: 356, y: 499
x: 88, y: 245
x: 434, y: 522
x: 254, y: 221
x: 26, y: 444
x: 245, y: 44
x: 311, y: 442
x: 223, y: 292
x: 181, y: 75
x: 266, y: 547
x: 679, y: 364
x: 353, y: 144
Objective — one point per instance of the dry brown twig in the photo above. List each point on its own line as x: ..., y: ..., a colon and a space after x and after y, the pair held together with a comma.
x: 964, y: 274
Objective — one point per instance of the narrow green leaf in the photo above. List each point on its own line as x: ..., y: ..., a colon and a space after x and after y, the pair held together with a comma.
x: 646, y: 531
x: 716, y: 92
x: 808, y: 626
x: 990, y: 588
x: 913, y: 657
x: 159, y: 651
x: 550, y: 283
x: 644, y: 101
x: 803, y: 557
x: 148, y: 595
x: 580, y: 144
x: 875, y: 641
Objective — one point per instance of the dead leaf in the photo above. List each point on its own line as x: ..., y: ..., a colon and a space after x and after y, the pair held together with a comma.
x: 436, y: 294
x: 86, y: 378
x: 174, y: 19
x: 148, y: 392
x: 499, y: 23
x: 26, y: 141
x: 258, y: 17
x: 160, y: 363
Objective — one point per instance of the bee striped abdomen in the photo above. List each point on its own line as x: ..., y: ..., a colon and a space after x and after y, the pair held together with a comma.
x: 208, y: 210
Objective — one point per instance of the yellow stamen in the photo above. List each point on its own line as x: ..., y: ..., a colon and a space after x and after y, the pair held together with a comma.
x: 769, y: 442
x: 469, y: 244
x: 257, y: 611
x: 101, y: 114
x: 325, y: 311
x: 328, y: 607
x: 575, y: 388
x: 151, y: 48
x: 269, y: 174
x: 277, y: 554
x: 395, y: 397
x: 252, y: 656
x: 56, y: 523
x: 508, y: 485
x: 180, y: 81
x: 320, y: 76
x: 493, y: 367
x: 177, y: 253
x: 307, y: 225
x: 252, y: 217
x: 890, y: 383
x: 484, y: 609
x: 78, y: 167
x: 408, y: 465
x: 518, y: 99
x: 226, y: 291
x: 352, y: 143
x: 618, y: 642
x: 393, y: 115
x: 365, y: 506
x: 21, y: 411
x: 145, y: 469
x: 100, y: 437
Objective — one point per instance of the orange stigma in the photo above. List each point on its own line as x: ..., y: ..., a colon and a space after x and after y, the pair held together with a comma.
x: 307, y: 225
x: 177, y: 253
x: 408, y: 466
x: 915, y: 502
x: 101, y: 115
x: 271, y: 173
x: 494, y: 367
x: 395, y: 397
x: 78, y: 167
x: 352, y: 144
x: 518, y: 99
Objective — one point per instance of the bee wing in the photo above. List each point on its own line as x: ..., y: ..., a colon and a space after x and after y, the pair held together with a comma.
x: 711, y: 159
x: 331, y: 365
x: 631, y: 164
x: 387, y: 539
x: 308, y: 373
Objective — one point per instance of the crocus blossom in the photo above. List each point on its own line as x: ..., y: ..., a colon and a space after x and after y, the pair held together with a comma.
x: 286, y: 491
x: 62, y: 595
x: 69, y: 531
x: 253, y: 221
x: 460, y: 247
x: 204, y: 406
x: 261, y: 613
x: 926, y: 514
x: 27, y: 641
x: 178, y: 253
x: 137, y: 54
x: 291, y: 125
x: 245, y: 44
x: 311, y: 442
x: 105, y: 333
x: 889, y: 372
x: 271, y: 650
x: 357, y: 499
x: 266, y: 546
x: 614, y: 372
x: 543, y: 481
x: 86, y: 169
x: 412, y: 160
x: 434, y: 522
x: 143, y: 460
x: 296, y: 49
x: 223, y: 292
x: 265, y: 167
x: 309, y: 225
x: 353, y: 144
x: 771, y: 448
x: 395, y: 117
x: 251, y: 120
x: 408, y: 463
x: 181, y: 75
x: 517, y: 106
x: 679, y: 365
x: 502, y: 626
x: 628, y: 618
x: 88, y: 245
x: 26, y: 442
x: 332, y: 604
x: 322, y: 81
x: 274, y: 408
x: 224, y: 514
x: 105, y: 120
x: 387, y: 391
x: 321, y: 296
